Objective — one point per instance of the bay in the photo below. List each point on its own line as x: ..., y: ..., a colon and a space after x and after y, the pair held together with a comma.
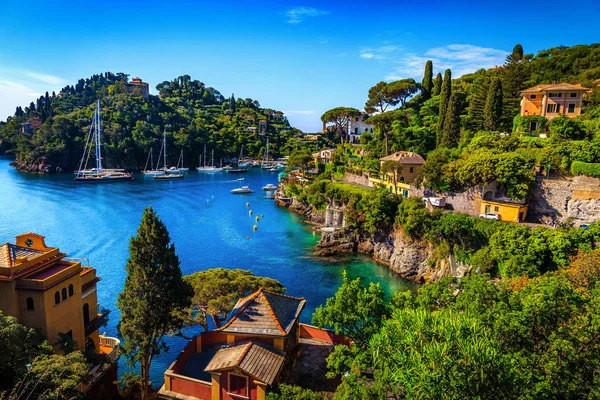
x: 210, y: 228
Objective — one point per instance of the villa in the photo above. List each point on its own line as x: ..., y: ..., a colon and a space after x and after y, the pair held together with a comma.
x: 357, y: 126
x: 45, y: 290
x: 550, y: 101
x: 254, y: 348
x: 405, y: 169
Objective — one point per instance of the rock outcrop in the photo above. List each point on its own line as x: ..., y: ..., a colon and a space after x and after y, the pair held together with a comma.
x: 36, y: 168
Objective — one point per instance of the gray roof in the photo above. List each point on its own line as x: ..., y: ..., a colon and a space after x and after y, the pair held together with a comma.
x: 264, y: 313
x: 256, y: 359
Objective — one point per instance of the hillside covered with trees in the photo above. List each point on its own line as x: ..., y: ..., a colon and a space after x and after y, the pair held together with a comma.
x: 191, y: 113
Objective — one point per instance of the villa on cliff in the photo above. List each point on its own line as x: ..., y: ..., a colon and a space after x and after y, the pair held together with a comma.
x: 45, y: 290
x: 255, y: 347
x: 398, y: 171
x: 550, y: 101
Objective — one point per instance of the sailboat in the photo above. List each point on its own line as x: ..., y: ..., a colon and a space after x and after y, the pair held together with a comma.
x: 167, y: 174
x: 266, y: 164
x: 97, y: 174
x: 211, y: 167
x: 180, y: 166
x: 241, y: 167
x: 242, y: 164
x: 151, y: 171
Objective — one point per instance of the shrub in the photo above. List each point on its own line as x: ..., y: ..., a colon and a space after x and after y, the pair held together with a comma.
x: 587, y: 169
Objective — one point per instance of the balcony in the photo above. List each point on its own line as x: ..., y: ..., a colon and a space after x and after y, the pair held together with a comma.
x: 95, y: 324
x: 109, y: 348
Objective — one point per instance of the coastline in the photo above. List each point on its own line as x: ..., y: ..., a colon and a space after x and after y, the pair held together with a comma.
x: 411, y: 259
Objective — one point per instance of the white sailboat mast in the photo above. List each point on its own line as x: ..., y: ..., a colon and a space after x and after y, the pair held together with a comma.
x: 165, y: 152
x: 98, y: 149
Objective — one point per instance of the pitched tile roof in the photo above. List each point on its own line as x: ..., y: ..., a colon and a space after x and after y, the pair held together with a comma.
x: 10, y: 252
x: 256, y: 359
x: 557, y: 87
x: 264, y: 313
x: 404, y: 157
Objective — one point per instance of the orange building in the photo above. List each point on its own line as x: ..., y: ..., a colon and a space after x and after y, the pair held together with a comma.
x: 552, y: 100
x: 45, y: 290
x: 251, y: 350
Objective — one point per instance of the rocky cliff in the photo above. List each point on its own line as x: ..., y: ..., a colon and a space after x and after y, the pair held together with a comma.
x: 36, y: 168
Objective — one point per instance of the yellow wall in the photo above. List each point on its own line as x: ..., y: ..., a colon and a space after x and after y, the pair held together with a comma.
x: 401, y: 189
x: 68, y: 314
x: 507, y: 211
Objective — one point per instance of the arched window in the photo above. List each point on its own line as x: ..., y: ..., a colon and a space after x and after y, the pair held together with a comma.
x: 86, y: 314
x: 71, y: 291
x: 29, y: 302
x: 56, y: 298
x: 64, y: 294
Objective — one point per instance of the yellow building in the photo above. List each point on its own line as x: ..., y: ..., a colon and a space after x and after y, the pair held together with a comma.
x: 511, y: 212
x: 323, y: 156
x: 550, y: 101
x: 397, y: 177
x: 44, y: 289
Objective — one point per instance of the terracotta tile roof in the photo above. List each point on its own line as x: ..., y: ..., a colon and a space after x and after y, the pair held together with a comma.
x: 555, y: 87
x: 256, y: 359
x: 10, y: 252
x: 404, y: 157
x: 264, y: 313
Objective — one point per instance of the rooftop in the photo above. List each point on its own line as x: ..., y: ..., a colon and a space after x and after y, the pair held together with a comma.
x: 404, y: 157
x: 48, y: 272
x: 10, y: 252
x: 256, y: 359
x: 555, y: 87
x: 264, y: 313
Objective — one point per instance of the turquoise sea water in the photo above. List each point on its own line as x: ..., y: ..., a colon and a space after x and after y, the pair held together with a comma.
x: 209, y: 226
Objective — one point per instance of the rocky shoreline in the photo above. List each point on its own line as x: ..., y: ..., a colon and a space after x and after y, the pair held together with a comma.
x: 36, y: 168
x: 409, y: 258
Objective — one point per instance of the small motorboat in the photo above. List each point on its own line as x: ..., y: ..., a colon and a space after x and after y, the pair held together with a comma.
x: 239, y: 179
x: 273, y: 170
x: 242, y: 190
x: 269, y: 187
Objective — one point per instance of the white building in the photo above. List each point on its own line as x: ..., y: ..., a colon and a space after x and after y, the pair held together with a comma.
x: 357, y: 126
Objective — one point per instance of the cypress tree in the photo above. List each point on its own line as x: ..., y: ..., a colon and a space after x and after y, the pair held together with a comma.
x: 493, y: 105
x: 437, y: 85
x: 155, y: 295
x: 444, y: 99
x: 451, y: 129
x: 477, y: 97
x: 427, y: 84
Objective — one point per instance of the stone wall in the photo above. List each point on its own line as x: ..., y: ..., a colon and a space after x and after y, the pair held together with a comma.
x: 356, y: 179
x: 577, y: 198
x: 462, y: 202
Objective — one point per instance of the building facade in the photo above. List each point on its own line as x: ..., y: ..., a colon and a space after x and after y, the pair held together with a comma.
x: 138, y: 87
x: 45, y: 290
x: 357, y: 126
x: 551, y: 101
x: 397, y: 177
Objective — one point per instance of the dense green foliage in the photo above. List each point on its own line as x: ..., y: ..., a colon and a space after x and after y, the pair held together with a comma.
x: 218, y: 289
x: 588, y: 169
x: 290, y: 392
x: 191, y: 114
x: 155, y: 296
x: 522, y: 338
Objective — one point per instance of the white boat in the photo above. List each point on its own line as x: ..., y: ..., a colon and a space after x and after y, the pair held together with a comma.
x: 266, y: 164
x: 210, y: 168
x: 227, y: 168
x: 180, y: 166
x: 254, y: 164
x: 240, y: 163
x: 242, y: 190
x: 273, y: 169
x: 240, y: 179
x: 97, y: 174
x: 280, y: 166
x: 166, y: 173
x: 269, y: 186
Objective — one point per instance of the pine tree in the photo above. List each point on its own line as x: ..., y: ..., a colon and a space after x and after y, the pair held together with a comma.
x: 437, y: 85
x: 451, y: 129
x: 444, y: 99
x: 493, y: 105
x: 513, y: 79
x: 232, y: 102
x: 476, y: 99
x: 155, y: 295
x: 427, y: 84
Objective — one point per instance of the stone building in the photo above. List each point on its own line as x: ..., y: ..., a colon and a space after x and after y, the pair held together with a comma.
x: 138, y: 87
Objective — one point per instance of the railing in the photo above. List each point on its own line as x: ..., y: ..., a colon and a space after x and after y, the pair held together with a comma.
x: 112, y: 343
x: 98, y: 370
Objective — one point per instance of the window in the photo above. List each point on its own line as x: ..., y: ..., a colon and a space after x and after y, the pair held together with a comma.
x: 533, y: 126
x: 238, y: 385
x: 86, y: 314
x: 29, y: 302
x: 64, y: 294
x: 496, y: 208
x: 552, y: 108
x: 571, y: 108
x: 356, y: 130
x: 555, y: 95
x: 533, y: 96
x: 356, y: 119
x: 573, y: 94
x: 56, y: 298
x: 411, y: 170
x: 71, y: 291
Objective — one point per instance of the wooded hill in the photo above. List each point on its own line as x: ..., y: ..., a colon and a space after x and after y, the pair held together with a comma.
x: 191, y: 113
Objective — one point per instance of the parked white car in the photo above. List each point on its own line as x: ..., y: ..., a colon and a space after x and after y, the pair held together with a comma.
x: 490, y: 216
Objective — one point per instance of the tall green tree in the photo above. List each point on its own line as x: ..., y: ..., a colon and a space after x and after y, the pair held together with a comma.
x: 340, y: 117
x: 451, y: 129
x: 437, y: 85
x: 403, y: 89
x: 155, y: 298
x: 383, y: 123
x: 445, y: 94
x: 427, y: 84
x: 493, y: 105
x: 381, y: 96
x: 514, y: 75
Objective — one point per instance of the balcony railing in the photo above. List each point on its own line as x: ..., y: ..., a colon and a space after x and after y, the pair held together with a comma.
x: 109, y: 348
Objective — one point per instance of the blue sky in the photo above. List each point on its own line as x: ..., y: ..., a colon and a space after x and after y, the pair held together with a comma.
x: 300, y: 57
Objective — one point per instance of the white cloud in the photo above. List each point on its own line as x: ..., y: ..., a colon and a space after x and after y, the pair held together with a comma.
x: 298, y: 112
x: 379, y: 53
x: 460, y: 58
x: 298, y: 14
x: 49, y: 79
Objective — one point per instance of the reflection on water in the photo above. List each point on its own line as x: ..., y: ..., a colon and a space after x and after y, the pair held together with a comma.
x: 209, y: 226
